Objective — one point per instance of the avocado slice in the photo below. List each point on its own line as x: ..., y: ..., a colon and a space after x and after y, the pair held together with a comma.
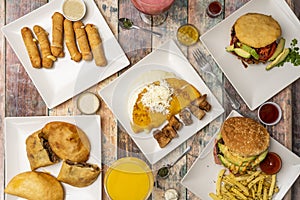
x: 281, y: 57
x: 233, y: 168
x: 237, y: 160
x: 249, y: 50
x: 260, y: 158
x: 241, y: 52
x: 230, y: 48
x: 278, y: 49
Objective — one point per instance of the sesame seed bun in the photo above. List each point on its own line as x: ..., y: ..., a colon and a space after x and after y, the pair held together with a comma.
x: 245, y: 136
x: 257, y: 30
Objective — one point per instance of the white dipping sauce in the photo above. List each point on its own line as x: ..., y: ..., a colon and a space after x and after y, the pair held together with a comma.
x: 88, y: 103
x: 74, y: 10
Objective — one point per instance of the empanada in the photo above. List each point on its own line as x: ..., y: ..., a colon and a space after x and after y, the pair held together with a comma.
x: 67, y: 141
x: 39, y: 152
x: 78, y: 174
x: 34, y: 185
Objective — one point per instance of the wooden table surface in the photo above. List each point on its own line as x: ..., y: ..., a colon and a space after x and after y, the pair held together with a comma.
x: 19, y: 97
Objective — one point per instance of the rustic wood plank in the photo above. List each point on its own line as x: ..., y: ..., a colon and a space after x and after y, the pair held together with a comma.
x: 294, y: 119
x: 109, y: 10
x: 22, y: 98
x: 2, y: 98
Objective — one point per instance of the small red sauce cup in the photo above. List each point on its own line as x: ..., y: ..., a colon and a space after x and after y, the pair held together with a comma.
x: 214, y: 9
x: 269, y: 113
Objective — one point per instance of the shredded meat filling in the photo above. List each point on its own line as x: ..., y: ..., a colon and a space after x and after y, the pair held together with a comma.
x: 264, y: 53
x: 52, y: 156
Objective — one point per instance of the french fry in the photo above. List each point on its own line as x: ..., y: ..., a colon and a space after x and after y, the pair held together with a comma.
x: 271, y: 191
x: 239, y: 185
x: 256, y: 180
x: 96, y: 45
x: 70, y: 41
x: 31, y: 47
x: 42, y: 35
x: 214, y: 196
x: 253, y: 175
x: 250, y: 186
x: 219, y: 181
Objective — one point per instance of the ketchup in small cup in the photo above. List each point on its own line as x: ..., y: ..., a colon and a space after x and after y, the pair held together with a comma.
x: 271, y: 164
x: 214, y: 9
x: 269, y: 113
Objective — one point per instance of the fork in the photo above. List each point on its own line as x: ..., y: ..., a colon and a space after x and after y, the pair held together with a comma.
x: 205, y: 67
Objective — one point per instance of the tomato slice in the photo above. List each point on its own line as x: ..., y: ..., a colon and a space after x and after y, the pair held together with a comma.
x: 266, y: 52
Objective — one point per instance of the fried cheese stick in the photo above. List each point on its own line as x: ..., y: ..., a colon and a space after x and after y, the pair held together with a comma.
x: 96, y: 44
x: 31, y: 47
x: 82, y: 40
x: 47, y: 57
x: 57, y: 48
x: 70, y: 41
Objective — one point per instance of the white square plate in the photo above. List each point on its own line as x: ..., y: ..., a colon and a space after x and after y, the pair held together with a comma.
x: 202, y: 176
x: 67, y: 78
x: 166, y: 59
x: 17, y: 129
x: 254, y: 84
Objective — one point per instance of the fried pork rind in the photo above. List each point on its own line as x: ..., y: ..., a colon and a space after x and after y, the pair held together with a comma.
x: 78, y: 174
x: 67, y: 141
x: 38, y: 151
x: 161, y: 138
x: 35, y: 185
x: 257, y: 30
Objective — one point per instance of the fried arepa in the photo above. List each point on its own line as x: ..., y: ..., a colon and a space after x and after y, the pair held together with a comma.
x: 257, y: 30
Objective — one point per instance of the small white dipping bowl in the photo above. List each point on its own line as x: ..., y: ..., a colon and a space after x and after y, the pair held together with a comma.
x: 269, y: 113
x: 74, y: 10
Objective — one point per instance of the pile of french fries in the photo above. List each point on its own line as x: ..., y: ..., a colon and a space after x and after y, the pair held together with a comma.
x: 252, y: 185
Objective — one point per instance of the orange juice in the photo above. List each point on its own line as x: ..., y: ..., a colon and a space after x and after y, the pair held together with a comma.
x: 129, y: 179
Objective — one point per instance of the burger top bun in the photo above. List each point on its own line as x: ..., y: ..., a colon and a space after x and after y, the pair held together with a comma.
x: 244, y: 136
x: 257, y: 30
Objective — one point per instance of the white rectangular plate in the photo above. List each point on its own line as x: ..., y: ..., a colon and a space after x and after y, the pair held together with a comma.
x: 17, y: 129
x: 167, y: 58
x: 254, y: 84
x: 202, y: 176
x: 67, y: 78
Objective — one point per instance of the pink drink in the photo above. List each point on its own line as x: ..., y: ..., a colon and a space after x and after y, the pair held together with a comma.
x: 152, y: 7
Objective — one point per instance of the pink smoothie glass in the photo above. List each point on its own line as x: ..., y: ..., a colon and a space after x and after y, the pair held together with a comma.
x: 153, y: 12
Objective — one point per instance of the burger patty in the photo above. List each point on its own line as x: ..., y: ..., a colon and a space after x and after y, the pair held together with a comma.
x: 264, y: 53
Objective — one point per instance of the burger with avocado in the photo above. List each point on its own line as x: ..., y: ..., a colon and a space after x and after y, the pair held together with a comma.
x: 256, y: 38
x: 241, y: 144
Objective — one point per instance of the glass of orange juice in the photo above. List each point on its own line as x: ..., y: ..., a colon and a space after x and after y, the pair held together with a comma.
x: 129, y: 178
